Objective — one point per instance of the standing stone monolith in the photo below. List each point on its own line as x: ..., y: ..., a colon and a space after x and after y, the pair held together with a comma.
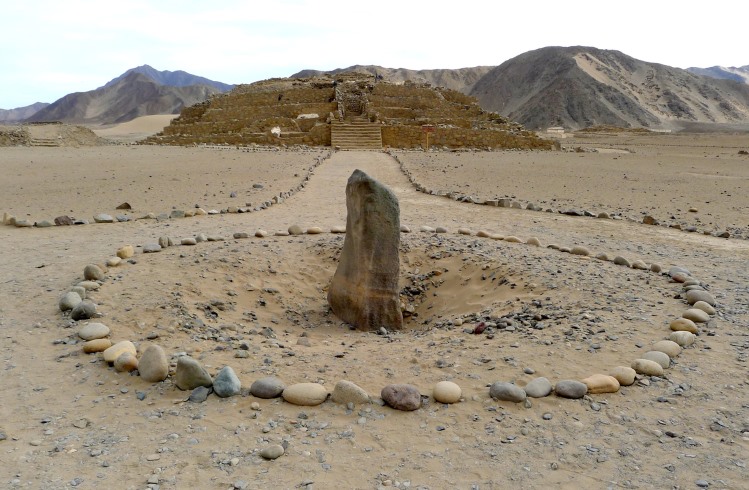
x: 364, y: 289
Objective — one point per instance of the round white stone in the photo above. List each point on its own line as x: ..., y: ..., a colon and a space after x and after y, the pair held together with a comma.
x: 447, y: 392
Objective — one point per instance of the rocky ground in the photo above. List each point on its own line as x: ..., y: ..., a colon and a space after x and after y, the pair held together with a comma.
x: 694, y: 182
x: 481, y: 311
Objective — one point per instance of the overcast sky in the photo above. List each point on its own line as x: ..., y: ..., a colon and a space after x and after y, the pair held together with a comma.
x: 52, y: 48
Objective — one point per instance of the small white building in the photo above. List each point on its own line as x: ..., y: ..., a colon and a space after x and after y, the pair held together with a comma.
x: 555, y: 130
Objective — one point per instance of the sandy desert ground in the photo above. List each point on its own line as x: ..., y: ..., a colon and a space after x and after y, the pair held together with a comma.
x: 258, y: 305
x: 136, y: 129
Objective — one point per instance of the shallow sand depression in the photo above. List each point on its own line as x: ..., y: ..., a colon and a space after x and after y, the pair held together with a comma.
x: 72, y: 418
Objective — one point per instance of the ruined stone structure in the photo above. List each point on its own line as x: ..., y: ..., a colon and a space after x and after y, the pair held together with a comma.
x: 48, y: 134
x: 364, y: 289
x: 349, y: 111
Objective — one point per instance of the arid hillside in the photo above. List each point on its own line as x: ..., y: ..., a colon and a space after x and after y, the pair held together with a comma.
x: 133, y: 96
x: 578, y: 86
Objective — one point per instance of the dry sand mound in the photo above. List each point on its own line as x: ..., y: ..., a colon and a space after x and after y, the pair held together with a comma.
x: 136, y: 129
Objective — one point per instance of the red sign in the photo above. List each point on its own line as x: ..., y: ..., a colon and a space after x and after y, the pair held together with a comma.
x: 428, y: 128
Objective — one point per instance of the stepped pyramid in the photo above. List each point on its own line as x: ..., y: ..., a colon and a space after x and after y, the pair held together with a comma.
x: 346, y: 111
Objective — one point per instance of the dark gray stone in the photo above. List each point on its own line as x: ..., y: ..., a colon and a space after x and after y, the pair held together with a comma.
x: 507, y: 392
x: 364, y: 290
x: 84, y: 310
x: 570, y: 388
x: 270, y: 387
x: 226, y: 383
x: 199, y: 394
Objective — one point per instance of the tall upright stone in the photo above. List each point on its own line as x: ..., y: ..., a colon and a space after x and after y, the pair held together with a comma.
x: 364, y: 289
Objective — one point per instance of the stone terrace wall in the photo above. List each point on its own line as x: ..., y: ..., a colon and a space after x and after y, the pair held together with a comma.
x: 420, y: 104
x: 249, y: 113
x: 414, y: 137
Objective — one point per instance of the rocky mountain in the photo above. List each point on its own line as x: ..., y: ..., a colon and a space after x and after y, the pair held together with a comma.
x: 177, y: 78
x: 18, y: 114
x: 460, y: 79
x: 740, y: 74
x: 578, y: 86
x: 127, y: 97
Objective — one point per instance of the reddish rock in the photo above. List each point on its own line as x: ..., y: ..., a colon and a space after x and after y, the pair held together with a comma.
x: 401, y: 397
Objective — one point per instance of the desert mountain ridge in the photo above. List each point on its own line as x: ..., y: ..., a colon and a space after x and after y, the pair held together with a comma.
x: 177, y: 78
x: 578, y: 86
x: 10, y: 116
x: 131, y: 96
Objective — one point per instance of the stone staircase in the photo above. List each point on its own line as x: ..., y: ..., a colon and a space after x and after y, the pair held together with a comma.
x: 48, y: 142
x: 356, y: 134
